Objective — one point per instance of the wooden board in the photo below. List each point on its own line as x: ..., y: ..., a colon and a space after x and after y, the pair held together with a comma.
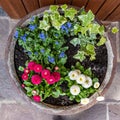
x: 115, y: 15
x: 107, y: 8
x: 94, y: 5
x: 14, y: 8
x: 63, y: 1
x: 46, y: 2
x: 79, y: 3
x: 31, y: 5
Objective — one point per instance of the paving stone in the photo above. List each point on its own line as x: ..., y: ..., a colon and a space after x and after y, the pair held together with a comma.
x: 22, y: 112
x: 114, y: 90
x: 97, y: 112
x: 114, y: 112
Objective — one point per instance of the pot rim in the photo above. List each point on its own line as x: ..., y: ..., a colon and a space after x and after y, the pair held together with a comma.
x: 51, y: 109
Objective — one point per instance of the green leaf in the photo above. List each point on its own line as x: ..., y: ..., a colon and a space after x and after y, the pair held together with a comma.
x: 21, y: 68
x: 80, y: 55
x: 101, y: 41
x: 70, y: 13
x: 114, y: 30
x: 75, y: 41
x: 28, y: 84
x: 64, y: 7
x: 28, y: 89
x: 44, y: 25
x: 86, y: 18
x: 77, y: 28
x: 90, y: 48
x: 88, y: 72
x: 56, y: 94
x: 95, y: 80
x: 54, y: 8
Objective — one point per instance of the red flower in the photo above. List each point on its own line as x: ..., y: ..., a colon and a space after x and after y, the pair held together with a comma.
x: 36, y: 79
x: 25, y: 76
x: 56, y: 76
x: 45, y: 73
x: 31, y: 65
x: 36, y: 98
x: 38, y: 68
x: 26, y: 71
x: 50, y: 80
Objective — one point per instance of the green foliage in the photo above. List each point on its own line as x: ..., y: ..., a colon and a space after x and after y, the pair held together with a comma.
x: 21, y: 68
x: 101, y: 41
x: 114, y: 30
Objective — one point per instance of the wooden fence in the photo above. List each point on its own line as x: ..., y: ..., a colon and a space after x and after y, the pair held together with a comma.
x: 108, y: 10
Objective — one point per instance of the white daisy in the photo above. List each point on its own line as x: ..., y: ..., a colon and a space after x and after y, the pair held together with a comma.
x: 96, y: 85
x: 85, y: 101
x: 100, y: 98
x: 78, y: 71
x: 75, y: 90
x: 81, y: 79
x: 73, y: 75
x: 87, y: 83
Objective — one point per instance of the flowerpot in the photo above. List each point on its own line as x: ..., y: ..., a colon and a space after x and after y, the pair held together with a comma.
x: 55, y: 109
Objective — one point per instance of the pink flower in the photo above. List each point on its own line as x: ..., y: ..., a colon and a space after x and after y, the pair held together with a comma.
x: 56, y: 76
x: 45, y: 73
x: 25, y: 76
x: 38, y: 68
x: 36, y: 79
x: 56, y: 68
x: 36, y: 98
x: 23, y: 86
x: 26, y: 71
x: 50, y: 80
x: 31, y: 65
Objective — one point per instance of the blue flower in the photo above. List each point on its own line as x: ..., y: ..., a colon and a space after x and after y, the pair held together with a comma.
x: 56, y: 42
x: 16, y: 34
x: 23, y: 37
x: 29, y: 53
x: 42, y: 50
x: 61, y: 55
x: 64, y: 28
x: 36, y: 53
x: 32, y: 27
x: 56, y: 35
x: 42, y: 36
x: 69, y: 25
x: 51, y: 59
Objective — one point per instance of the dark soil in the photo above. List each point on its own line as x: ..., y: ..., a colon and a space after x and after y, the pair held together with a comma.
x: 98, y: 66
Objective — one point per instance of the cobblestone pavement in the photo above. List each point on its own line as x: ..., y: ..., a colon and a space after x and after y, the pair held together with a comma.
x: 13, y: 107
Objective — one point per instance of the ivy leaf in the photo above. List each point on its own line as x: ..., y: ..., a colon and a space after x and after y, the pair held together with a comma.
x: 80, y: 55
x: 70, y: 13
x: 77, y: 28
x: 86, y: 18
x: 64, y: 7
x: 54, y: 8
x: 90, y: 48
x: 21, y: 68
x: 101, y: 41
x: 94, y: 28
x: 114, y: 30
x: 44, y: 25
x: 75, y: 41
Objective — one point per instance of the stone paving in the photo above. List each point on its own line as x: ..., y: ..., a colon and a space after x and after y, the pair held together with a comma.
x: 14, y: 107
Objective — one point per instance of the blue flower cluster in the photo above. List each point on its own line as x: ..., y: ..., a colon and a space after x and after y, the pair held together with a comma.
x: 32, y: 27
x: 23, y: 37
x: 29, y: 53
x: 36, y: 53
x: 42, y: 36
x: 62, y: 55
x: 66, y: 27
x: 16, y: 34
x: 51, y: 59
x: 56, y: 42
x: 42, y: 51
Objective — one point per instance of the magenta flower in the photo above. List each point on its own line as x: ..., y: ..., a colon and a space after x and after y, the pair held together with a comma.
x: 31, y: 65
x: 51, y: 80
x: 25, y: 76
x: 26, y: 71
x: 56, y: 76
x: 36, y: 98
x: 36, y: 79
x: 45, y: 73
x: 38, y: 68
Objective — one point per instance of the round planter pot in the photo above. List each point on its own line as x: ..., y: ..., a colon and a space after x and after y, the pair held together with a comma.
x: 63, y: 110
